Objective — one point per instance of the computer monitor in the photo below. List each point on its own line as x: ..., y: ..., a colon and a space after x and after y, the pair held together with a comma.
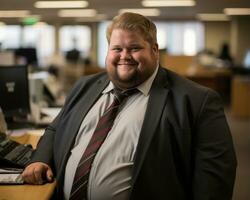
x: 29, y: 54
x: 244, y: 67
x: 14, y: 91
x: 36, y: 86
x: 246, y: 61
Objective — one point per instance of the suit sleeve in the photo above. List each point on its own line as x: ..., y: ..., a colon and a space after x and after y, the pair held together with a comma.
x: 214, y: 161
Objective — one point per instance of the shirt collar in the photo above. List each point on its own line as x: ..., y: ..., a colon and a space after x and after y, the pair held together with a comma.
x: 143, y: 88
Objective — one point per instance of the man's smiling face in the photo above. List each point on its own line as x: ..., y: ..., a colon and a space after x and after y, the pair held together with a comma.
x: 130, y: 59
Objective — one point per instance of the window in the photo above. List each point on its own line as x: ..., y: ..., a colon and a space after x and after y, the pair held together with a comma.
x: 75, y: 37
x: 42, y: 37
x: 189, y: 47
x: 180, y: 38
x: 10, y: 36
x: 102, y: 43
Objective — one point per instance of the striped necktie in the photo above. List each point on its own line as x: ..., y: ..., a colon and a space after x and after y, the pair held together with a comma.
x: 104, y: 125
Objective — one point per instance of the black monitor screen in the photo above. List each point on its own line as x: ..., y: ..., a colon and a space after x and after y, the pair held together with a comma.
x: 247, y: 59
x: 29, y: 54
x: 14, y: 91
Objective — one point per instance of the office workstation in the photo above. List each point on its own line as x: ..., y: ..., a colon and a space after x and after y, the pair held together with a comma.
x: 45, y: 51
x: 22, y: 131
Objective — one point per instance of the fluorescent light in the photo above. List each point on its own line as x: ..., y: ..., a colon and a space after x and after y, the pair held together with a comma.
x: 61, y: 4
x: 77, y: 13
x: 213, y: 17
x: 146, y: 12
x: 167, y: 3
x: 237, y: 11
x: 13, y: 13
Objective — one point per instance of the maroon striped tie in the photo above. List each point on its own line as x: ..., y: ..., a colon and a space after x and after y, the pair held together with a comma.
x: 105, y: 123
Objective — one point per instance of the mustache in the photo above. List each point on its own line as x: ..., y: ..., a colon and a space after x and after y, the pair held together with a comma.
x: 127, y: 62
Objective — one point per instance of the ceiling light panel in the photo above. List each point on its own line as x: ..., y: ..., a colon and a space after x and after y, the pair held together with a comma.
x: 213, y: 17
x: 168, y: 3
x: 77, y: 13
x: 13, y: 13
x: 146, y: 12
x: 61, y: 4
x: 237, y: 11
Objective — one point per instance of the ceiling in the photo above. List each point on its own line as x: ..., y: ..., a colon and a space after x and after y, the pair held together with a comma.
x: 110, y: 8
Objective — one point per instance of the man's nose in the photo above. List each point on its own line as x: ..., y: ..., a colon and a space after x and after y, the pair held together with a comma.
x: 125, y: 54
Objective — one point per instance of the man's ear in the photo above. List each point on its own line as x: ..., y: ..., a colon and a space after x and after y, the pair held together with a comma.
x: 155, y: 48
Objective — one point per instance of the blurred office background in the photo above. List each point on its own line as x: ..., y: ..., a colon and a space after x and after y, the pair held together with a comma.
x: 205, y: 41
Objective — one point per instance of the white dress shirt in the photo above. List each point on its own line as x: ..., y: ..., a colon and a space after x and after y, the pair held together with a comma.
x: 111, y: 172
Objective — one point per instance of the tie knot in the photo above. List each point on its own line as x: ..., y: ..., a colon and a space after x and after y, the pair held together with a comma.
x: 120, y: 95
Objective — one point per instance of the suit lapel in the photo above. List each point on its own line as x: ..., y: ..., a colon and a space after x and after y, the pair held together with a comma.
x: 156, y: 103
x: 91, y: 95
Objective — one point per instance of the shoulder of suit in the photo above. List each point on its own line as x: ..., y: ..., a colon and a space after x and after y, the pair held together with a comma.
x: 87, y: 81
x: 85, y: 84
x: 182, y: 84
x: 102, y: 76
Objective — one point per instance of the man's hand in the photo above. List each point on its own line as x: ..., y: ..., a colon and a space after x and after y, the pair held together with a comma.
x: 37, y: 173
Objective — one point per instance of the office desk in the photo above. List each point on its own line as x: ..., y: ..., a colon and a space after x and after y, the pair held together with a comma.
x: 27, y: 192
x: 240, y: 96
x: 217, y: 79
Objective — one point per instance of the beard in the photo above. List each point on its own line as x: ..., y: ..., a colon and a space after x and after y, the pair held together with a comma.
x: 130, y: 81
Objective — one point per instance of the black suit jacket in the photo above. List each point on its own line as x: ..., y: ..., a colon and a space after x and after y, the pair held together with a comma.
x: 185, y: 149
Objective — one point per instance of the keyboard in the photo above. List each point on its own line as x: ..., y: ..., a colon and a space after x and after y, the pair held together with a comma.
x: 14, y: 154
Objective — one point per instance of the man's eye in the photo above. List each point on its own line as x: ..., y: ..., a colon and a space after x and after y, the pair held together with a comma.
x: 117, y: 49
x: 135, y: 49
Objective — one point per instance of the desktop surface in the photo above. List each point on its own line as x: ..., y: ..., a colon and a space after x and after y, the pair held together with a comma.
x: 28, y: 192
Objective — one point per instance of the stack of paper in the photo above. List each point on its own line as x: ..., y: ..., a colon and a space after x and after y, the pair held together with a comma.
x: 11, y: 176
